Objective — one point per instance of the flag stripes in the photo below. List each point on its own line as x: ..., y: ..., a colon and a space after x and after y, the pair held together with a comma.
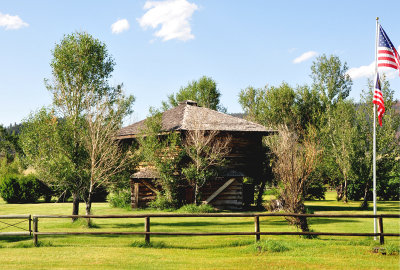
x: 387, y: 53
x: 378, y: 99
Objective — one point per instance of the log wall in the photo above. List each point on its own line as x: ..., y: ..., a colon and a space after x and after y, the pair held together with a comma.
x: 246, y: 157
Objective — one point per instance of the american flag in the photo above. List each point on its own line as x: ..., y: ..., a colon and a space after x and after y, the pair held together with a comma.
x: 387, y: 53
x: 378, y: 99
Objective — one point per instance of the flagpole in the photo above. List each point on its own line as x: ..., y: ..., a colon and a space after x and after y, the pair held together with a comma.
x: 374, y: 136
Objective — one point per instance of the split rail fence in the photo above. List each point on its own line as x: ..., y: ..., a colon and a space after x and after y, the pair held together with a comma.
x: 34, y: 230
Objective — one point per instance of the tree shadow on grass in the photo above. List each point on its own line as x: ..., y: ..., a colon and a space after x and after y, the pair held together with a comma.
x: 11, y: 239
x: 318, y: 221
x: 334, y: 208
x: 200, y: 223
x: 382, y: 206
x: 163, y: 245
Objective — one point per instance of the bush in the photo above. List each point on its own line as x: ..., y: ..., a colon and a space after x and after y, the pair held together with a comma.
x: 162, y: 203
x: 316, y: 191
x: 120, y: 198
x: 22, y: 189
x: 192, y: 208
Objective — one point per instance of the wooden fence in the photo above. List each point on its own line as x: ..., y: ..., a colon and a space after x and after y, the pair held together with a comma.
x: 257, y: 232
x: 16, y: 222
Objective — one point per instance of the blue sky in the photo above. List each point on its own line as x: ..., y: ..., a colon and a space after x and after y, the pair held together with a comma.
x: 160, y: 46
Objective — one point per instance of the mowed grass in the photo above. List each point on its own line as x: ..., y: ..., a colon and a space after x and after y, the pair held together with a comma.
x: 199, y: 252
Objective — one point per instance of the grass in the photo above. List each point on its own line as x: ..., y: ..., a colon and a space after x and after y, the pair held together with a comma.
x: 206, y: 252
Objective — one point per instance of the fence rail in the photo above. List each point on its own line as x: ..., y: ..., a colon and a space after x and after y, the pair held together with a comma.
x: 257, y: 233
x: 15, y: 225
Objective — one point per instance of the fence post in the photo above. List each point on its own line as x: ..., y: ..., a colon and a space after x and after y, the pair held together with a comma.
x: 30, y: 224
x: 35, y: 230
x: 147, y: 229
x: 381, y: 237
x: 257, y: 227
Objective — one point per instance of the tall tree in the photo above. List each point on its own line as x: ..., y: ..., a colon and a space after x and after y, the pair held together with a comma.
x: 204, y: 91
x: 271, y: 106
x: 387, y: 148
x: 107, y: 159
x: 294, y: 161
x: 48, y: 143
x: 330, y: 79
x: 81, y: 67
x: 341, y: 137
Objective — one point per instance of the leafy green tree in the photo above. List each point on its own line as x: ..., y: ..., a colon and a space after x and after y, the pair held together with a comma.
x: 341, y: 136
x: 162, y: 151
x: 47, y: 143
x: 299, y: 109
x: 330, y: 80
x: 81, y: 67
x: 204, y: 91
x: 8, y: 144
x: 332, y: 85
x: 270, y: 106
x: 308, y: 108
x: 387, y: 148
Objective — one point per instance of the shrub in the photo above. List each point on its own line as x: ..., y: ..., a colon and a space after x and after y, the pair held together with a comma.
x: 22, y: 189
x: 120, y: 198
x: 192, y: 208
x: 9, y: 188
x: 316, y: 191
x: 162, y: 203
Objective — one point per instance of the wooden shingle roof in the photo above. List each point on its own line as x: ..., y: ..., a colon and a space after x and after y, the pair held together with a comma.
x: 188, y: 116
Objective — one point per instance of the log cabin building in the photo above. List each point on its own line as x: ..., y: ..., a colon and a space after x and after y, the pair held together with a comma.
x: 245, y: 160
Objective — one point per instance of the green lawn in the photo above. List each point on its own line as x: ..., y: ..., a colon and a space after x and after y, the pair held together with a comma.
x: 200, y: 252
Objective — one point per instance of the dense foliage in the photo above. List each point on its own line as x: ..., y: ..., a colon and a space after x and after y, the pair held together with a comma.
x: 343, y: 129
x: 71, y: 145
x: 22, y: 189
x: 204, y: 91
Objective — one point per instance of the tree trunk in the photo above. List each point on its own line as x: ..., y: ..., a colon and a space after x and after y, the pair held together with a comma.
x: 75, y: 205
x: 364, y: 204
x: 303, y: 224
x: 339, y: 192
x: 89, y: 207
x: 345, y: 190
x: 196, y: 193
x: 89, y: 204
x: 261, y: 192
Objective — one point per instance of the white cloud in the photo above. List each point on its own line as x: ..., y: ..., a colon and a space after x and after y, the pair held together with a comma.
x: 369, y: 71
x: 120, y: 26
x: 172, y: 15
x: 362, y: 72
x: 305, y: 56
x: 11, y: 22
